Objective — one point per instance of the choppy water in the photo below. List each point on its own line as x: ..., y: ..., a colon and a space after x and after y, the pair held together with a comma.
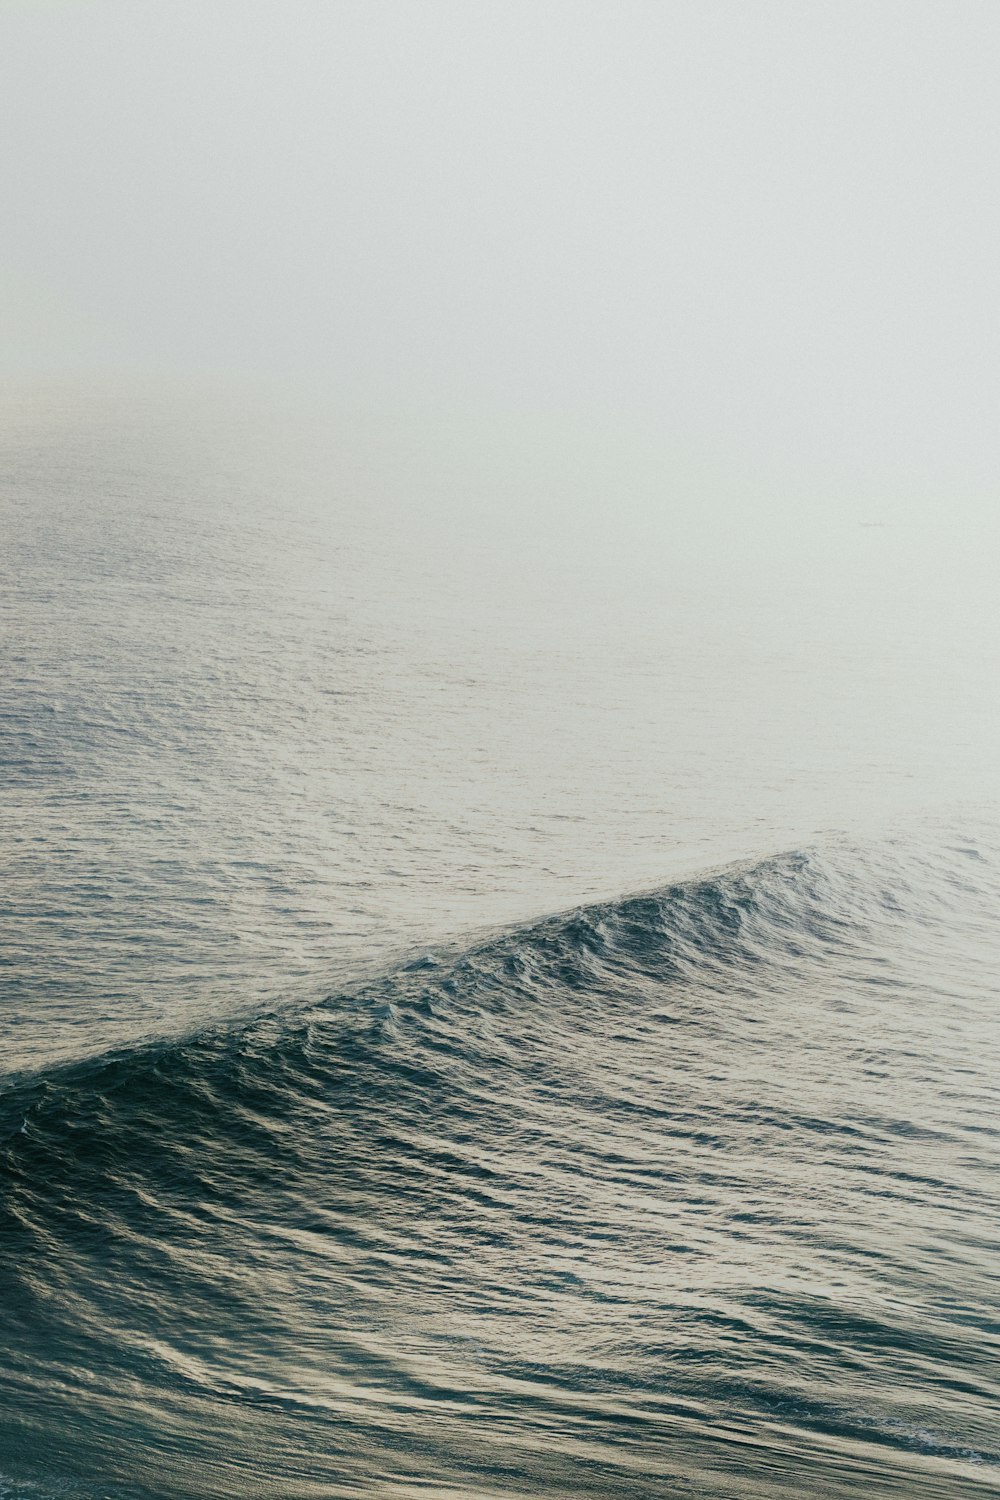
x: 331, y: 1165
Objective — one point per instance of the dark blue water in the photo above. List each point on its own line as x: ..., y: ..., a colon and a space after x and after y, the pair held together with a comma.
x: 330, y: 1167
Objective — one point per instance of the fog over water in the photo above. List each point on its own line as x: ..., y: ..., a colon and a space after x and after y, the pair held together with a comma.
x: 711, y: 289
x: 756, y: 239
x: 499, y: 828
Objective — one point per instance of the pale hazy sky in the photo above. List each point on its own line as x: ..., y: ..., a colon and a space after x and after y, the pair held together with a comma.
x: 760, y: 234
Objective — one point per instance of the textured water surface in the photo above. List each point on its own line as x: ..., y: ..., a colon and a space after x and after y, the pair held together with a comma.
x: 329, y: 1166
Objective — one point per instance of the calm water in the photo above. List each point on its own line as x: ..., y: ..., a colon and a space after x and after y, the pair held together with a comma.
x: 335, y: 1164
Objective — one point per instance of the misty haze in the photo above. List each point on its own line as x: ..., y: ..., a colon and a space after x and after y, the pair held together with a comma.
x: 500, y: 832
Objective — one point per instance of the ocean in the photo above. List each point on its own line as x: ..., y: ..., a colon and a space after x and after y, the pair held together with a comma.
x: 499, y: 971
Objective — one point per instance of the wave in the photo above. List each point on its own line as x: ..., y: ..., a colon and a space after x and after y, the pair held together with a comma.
x: 696, y: 930
x: 692, y: 1183
x: 693, y: 947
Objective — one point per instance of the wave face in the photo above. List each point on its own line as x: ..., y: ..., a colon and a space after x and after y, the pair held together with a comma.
x: 693, y: 1193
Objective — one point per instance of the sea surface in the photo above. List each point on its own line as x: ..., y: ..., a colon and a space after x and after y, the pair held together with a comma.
x: 499, y: 969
